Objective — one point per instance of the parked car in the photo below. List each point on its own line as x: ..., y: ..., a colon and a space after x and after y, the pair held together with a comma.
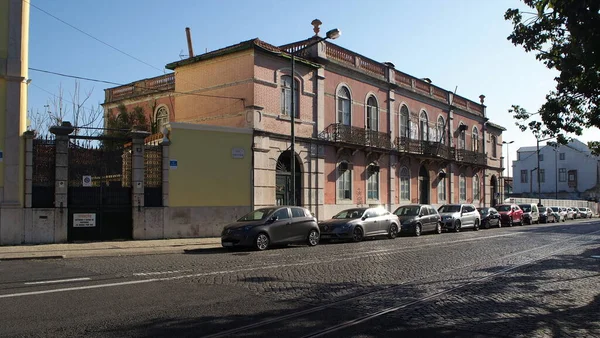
x: 560, y: 216
x: 568, y: 213
x: 510, y: 214
x: 418, y: 218
x: 274, y: 225
x: 547, y: 215
x: 587, y: 212
x: 576, y: 214
x: 458, y: 216
x: 531, y: 214
x: 580, y: 212
x: 358, y: 223
x: 489, y: 217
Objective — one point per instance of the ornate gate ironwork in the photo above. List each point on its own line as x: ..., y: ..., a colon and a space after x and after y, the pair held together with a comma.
x: 99, y: 191
x: 43, y: 173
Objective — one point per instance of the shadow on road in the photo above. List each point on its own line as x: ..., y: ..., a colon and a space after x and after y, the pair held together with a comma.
x: 557, y: 296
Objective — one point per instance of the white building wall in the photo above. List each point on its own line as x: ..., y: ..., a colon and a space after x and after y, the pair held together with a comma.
x: 574, y: 159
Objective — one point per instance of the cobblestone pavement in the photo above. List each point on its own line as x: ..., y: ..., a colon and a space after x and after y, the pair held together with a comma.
x: 530, y: 281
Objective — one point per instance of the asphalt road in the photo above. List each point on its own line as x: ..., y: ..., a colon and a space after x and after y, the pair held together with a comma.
x: 535, y: 280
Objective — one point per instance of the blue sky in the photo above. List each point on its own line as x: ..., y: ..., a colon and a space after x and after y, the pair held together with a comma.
x: 454, y: 43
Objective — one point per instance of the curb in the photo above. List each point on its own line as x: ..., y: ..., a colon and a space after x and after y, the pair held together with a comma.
x: 30, y: 258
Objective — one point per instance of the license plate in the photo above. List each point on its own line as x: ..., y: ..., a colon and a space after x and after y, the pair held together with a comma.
x: 227, y: 244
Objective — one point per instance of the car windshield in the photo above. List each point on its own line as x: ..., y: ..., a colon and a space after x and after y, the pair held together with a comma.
x: 525, y: 207
x: 412, y: 210
x: 503, y: 208
x: 449, y: 208
x: 483, y: 211
x: 257, y: 215
x: 350, y: 213
x: 555, y: 209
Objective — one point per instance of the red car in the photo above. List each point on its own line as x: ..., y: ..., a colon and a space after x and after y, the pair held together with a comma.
x: 510, y: 214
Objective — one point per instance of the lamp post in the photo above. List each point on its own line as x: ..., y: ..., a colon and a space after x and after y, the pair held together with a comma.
x: 332, y: 34
x: 508, y: 157
x: 554, y: 146
x: 538, y: 168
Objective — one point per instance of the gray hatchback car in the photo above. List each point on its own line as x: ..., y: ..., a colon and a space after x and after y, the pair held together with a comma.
x: 275, y: 225
x: 418, y: 218
x: 358, y: 223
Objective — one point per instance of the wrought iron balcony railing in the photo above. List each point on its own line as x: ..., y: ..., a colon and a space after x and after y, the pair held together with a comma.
x: 427, y: 148
x: 342, y: 133
x: 471, y: 157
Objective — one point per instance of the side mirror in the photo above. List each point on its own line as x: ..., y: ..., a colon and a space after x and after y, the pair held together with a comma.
x: 273, y: 218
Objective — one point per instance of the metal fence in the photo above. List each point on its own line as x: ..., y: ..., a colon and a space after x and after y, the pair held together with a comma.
x: 153, y: 176
x: 43, y: 173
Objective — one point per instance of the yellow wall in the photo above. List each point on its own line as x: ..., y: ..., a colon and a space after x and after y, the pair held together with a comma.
x: 207, y: 175
x: 3, y: 55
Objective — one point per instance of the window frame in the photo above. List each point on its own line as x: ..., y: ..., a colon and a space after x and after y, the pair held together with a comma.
x: 340, y: 181
x: 562, y: 174
x: 441, y: 189
x: 475, y: 139
x: 404, y: 181
x: 462, y: 187
x: 373, y: 170
x: 441, y: 137
x: 372, y: 113
x: 286, y: 90
x: 524, y: 178
x: 340, y: 99
x: 404, y: 125
x: 476, y: 188
x: 423, y: 122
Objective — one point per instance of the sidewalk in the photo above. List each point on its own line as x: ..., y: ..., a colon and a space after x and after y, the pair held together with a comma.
x: 99, y: 249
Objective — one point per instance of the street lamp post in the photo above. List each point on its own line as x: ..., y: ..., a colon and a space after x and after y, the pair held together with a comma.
x: 508, y: 157
x: 538, y: 169
x: 332, y: 34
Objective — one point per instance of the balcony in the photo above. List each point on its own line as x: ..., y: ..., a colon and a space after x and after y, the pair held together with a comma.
x: 143, y: 87
x: 470, y: 157
x: 361, y: 137
x: 426, y: 148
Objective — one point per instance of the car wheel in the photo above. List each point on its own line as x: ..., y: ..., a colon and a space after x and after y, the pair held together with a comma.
x: 357, y: 234
x: 313, y: 238
x: 262, y: 242
x: 521, y: 222
x: 510, y: 222
x: 438, y: 228
x: 476, y: 226
x: 417, y: 230
x: 457, y: 226
x: 393, y: 232
x: 486, y: 225
x: 499, y: 224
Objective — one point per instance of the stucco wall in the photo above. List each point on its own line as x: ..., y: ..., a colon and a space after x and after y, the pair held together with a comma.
x: 207, y: 174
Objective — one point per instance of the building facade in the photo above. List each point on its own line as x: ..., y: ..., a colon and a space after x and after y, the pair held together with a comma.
x: 14, y: 44
x: 566, y: 172
x: 366, y: 133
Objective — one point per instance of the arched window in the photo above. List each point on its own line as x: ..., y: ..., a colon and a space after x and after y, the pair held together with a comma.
x: 344, y: 105
x: 462, y: 139
x: 462, y: 188
x: 475, y: 139
x: 404, y: 184
x: 476, y: 194
x: 494, y: 146
x: 373, y: 182
x: 344, y: 181
x: 372, y: 114
x: 441, y: 190
x: 424, y: 126
x: 286, y: 96
x: 441, y: 137
x: 162, y: 117
x: 404, y: 122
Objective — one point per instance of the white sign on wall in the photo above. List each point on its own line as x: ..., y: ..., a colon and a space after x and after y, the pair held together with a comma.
x: 237, y: 152
x: 87, y: 181
x: 84, y: 220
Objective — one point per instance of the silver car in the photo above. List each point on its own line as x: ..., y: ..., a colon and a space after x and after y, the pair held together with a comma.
x: 458, y: 216
x: 357, y: 223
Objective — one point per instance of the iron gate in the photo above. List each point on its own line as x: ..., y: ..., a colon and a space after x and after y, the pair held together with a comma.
x: 99, y: 191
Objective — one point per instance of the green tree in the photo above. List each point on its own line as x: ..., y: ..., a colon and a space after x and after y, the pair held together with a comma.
x: 565, y: 35
x: 120, y: 124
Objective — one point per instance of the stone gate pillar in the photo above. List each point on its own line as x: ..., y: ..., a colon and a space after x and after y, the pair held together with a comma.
x: 61, y: 215
x: 137, y: 182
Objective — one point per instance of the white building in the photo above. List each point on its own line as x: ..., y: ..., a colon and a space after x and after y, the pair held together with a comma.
x: 566, y: 172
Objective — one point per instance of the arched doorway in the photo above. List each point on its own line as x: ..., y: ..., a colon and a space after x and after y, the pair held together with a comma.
x: 494, y: 190
x: 283, y: 179
x: 424, y: 186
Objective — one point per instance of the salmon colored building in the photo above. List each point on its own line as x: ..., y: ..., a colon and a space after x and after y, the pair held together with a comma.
x: 366, y: 133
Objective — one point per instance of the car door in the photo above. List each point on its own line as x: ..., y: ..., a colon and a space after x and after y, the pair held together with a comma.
x: 467, y: 217
x: 301, y: 225
x: 370, y: 222
x: 431, y: 218
x: 280, y: 230
x: 385, y: 220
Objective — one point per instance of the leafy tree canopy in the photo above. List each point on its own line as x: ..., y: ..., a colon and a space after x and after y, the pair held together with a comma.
x: 121, y: 123
x: 565, y: 35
